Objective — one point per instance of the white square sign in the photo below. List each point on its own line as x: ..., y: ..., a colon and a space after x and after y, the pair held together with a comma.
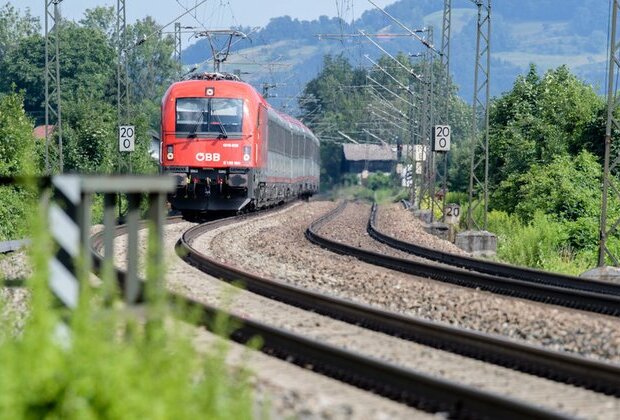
x: 126, y: 138
x: 441, y: 138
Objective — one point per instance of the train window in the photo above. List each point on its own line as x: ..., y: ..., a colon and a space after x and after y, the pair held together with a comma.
x: 211, y: 117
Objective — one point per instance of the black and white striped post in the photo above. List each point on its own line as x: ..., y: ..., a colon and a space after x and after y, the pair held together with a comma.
x: 70, y: 220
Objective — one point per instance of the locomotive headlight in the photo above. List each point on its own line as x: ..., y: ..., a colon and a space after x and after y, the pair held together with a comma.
x: 247, y: 152
x: 170, y: 152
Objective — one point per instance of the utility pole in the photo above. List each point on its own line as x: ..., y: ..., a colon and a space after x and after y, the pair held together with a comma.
x: 445, y: 61
x: 122, y: 86
x: 443, y: 116
x: 610, y: 183
x: 177, y: 42
x: 122, y: 65
x: 52, y: 84
x: 427, y: 187
x: 479, y: 163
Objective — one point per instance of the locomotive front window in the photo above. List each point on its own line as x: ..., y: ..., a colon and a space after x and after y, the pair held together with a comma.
x: 209, y: 117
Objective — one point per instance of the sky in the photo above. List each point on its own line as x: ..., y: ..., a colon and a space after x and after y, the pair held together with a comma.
x: 214, y: 14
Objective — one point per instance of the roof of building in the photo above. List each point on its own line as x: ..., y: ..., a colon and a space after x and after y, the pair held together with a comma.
x: 39, y: 131
x: 369, y: 151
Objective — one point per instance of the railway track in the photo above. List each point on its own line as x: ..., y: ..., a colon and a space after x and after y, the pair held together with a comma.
x: 591, y: 374
x: 395, y: 382
x: 305, y: 353
x: 490, y: 267
x: 532, y: 290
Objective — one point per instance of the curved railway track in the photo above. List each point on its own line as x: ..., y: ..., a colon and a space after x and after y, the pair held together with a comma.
x: 491, y: 267
x: 546, y: 293
x: 591, y: 374
x: 400, y: 384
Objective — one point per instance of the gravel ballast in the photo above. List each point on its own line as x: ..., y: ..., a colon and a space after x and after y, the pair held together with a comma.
x: 276, y: 247
x: 249, y: 243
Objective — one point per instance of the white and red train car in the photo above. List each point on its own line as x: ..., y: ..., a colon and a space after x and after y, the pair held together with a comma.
x: 230, y: 150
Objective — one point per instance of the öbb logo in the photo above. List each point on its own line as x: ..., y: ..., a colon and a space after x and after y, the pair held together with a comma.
x: 208, y: 157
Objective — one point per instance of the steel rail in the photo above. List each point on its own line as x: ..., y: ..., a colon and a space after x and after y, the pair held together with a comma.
x: 400, y: 384
x: 596, y: 375
x: 491, y: 267
x: 7, y: 247
x: 577, y: 299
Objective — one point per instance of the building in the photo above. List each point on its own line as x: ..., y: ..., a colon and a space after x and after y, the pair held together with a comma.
x: 368, y: 157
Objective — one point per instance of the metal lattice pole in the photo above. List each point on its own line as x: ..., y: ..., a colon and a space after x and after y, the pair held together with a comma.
x: 445, y: 61
x: 411, y: 150
x: 444, y: 114
x: 609, y: 182
x: 122, y: 73
x: 177, y: 42
x: 122, y: 80
x: 426, y: 123
x: 478, y: 182
x: 52, y: 82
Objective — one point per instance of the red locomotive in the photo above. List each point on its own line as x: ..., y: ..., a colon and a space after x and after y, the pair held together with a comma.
x: 230, y: 150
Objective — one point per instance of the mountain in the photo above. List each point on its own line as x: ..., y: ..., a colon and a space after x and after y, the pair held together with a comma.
x: 288, y: 52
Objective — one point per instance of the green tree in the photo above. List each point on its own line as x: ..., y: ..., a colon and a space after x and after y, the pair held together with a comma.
x: 539, y: 119
x: 17, y: 146
x: 330, y: 103
x: 102, y: 19
x: 88, y: 67
x: 151, y: 64
x: 89, y: 136
x: 567, y: 189
x: 15, y: 135
x: 14, y: 27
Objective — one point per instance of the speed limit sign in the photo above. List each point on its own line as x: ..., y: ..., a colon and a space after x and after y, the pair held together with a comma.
x: 441, y: 138
x: 126, y: 138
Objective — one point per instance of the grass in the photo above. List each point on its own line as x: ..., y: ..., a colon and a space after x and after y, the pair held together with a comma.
x: 114, y: 363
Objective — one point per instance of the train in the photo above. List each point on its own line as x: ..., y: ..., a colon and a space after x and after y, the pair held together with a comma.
x: 231, y: 151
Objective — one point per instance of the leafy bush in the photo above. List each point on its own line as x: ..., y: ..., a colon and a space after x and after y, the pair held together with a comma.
x: 113, y: 364
x: 378, y: 180
x: 543, y: 243
x: 457, y: 197
x: 350, y: 179
x: 17, y: 146
x: 532, y: 245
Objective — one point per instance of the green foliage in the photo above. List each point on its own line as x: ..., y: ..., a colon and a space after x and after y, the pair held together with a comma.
x: 14, y: 27
x: 113, y: 364
x: 538, y: 240
x: 539, y: 119
x: 88, y: 85
x: 88, y: 67
x: 379, y: 180
x: 151, y: 64
x: 542, y: 243
x: 331, y: 163
x: 457, y: 197
x: 15, y: 135
x: 17, y: 146
x: 90, y: 137
x: 102, y: 19
x: 343, y: 99
x: 567, y: 189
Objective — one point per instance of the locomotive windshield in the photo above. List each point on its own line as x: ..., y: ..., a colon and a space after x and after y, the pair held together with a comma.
x: 209, y: 117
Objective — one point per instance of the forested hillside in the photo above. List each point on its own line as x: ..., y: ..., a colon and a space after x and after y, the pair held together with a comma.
x: 548, y: 33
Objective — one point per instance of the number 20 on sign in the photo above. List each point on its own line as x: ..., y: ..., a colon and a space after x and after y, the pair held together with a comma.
x: 441, y: 138
x: 126, y: 138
